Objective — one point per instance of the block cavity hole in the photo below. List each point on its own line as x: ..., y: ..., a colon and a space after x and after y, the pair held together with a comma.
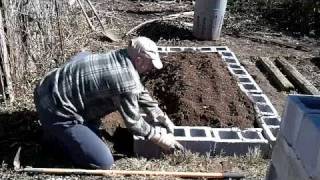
x: 197, y: 133
x: 250, y: 135
x: 179, y: 132
x: 228, y: 135
x: 272, y: 121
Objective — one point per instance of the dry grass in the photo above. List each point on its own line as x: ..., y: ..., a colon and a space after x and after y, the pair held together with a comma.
x: 252, y: 166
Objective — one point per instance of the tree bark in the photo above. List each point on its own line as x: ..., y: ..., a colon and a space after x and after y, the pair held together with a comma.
x: 5, y: 61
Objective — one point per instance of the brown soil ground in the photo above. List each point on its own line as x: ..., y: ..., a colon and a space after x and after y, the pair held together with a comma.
x: 196, y: 89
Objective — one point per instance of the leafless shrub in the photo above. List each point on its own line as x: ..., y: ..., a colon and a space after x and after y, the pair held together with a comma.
x: 41, y: 35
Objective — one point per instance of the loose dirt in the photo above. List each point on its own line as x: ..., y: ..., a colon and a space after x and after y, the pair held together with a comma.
x: 196, y: 89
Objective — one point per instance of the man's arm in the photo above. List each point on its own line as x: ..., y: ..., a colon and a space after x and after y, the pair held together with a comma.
x: 128, y: 107
x: 151, y: 107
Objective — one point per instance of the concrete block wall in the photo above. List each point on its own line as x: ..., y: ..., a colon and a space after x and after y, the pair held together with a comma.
x: 296, y: 154
x: 251, y: 87
x: 307, y: 146
x: 205, y: 49
x: 238, y: 71
x: 231, y: 141
x: 296, y: 108
x: 270, y: 126
x: 229, y: 58
x: 268, y: 117
x: 145, y: 148
x: 208, y: 141
x: 196, y: 139
x: 285, y: 165
x: 263, y: 105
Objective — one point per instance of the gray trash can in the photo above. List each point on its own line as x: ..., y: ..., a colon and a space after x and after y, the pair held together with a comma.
x: 208, y: 19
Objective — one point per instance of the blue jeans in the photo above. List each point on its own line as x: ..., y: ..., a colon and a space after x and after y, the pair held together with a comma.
x: 79, y: 141
x: 81, y: 145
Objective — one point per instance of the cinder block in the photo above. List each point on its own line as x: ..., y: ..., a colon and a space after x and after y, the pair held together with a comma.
x: 230, y: 141
x: 222, y: 49
x: 270, y: 127
x: 207, y: 49
x: 238, y: 71
x: 175, y: 49
x: 245, y: 79
x: 232, y: 61
x: 271, y: 173
x: 160, y: 49
x: 228, y: 54
x: 253, y: 135
x: 189, y: 49
x: 286, y: 163
x: 227, y: 140
x: 307, y: 145
x: 195, y: 139
x: 204, y: 49
x: 262, y: 104
x: 280, y: 153
x: 206, y: 140
x: 297, y: 106
x: 297, y: 171
x: 254, y: 139
x: 229, y: 57
x: 234, y: 66
x: 250, y: 88
x: 145, y: 148
x: 272, y: 121
x: 259, y: 98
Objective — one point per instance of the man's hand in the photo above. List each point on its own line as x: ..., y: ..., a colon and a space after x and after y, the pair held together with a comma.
x: 166, y: 141
x: 166, y: 122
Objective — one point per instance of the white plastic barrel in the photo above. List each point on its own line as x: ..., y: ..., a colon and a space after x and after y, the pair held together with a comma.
x: 208, y: 19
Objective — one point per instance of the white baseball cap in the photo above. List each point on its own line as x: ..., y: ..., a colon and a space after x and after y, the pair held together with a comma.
x: 147, y: 48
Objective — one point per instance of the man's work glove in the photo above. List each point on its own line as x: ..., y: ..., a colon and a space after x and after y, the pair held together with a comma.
x: 165, y: 121
x: 165, y: 141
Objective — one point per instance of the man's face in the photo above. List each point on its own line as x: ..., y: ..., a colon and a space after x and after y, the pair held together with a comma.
x: 143, y: 64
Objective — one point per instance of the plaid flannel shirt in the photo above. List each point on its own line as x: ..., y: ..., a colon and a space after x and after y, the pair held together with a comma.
x: 90, y: 86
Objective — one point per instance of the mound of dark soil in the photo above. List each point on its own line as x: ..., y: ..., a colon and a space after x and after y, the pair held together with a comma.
x: 196, y: 89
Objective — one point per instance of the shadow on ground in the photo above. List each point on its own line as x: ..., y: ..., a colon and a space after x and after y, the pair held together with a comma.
x: 21, y: 129
x: 316, y: 61
x: 122, y: 141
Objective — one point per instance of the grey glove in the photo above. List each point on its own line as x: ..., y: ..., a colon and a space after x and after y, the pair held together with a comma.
x: 166, y: 122
x: 165, y: 141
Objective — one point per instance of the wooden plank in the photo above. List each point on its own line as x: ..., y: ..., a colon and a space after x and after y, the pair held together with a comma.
x: 275, y: 74
x: 296, y: 77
